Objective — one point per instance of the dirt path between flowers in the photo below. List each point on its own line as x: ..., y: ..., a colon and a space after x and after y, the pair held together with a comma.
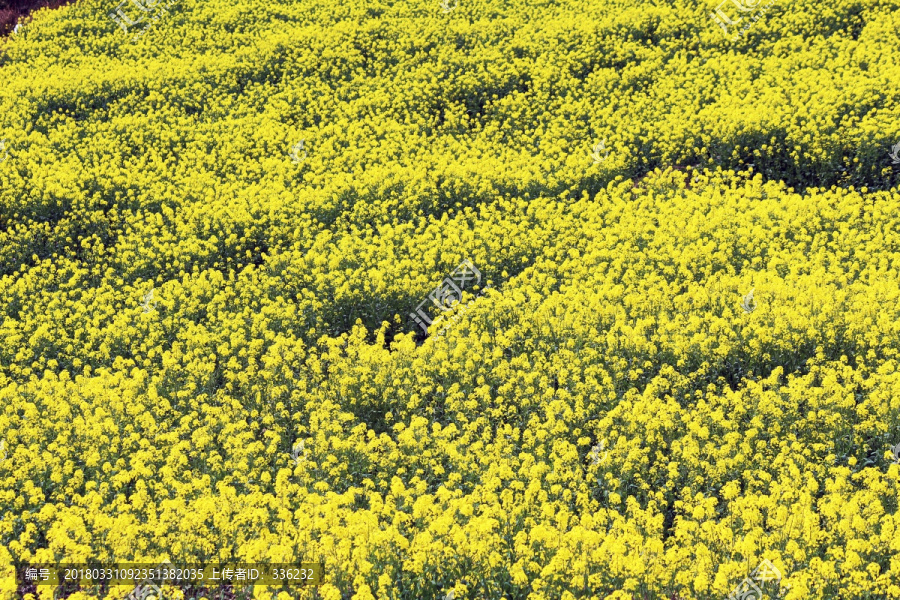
x: 12, y: 11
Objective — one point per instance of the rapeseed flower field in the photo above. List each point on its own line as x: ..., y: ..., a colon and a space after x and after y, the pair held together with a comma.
x: 229, y: 327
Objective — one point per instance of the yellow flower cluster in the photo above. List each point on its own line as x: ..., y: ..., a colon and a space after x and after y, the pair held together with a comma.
x: 205, y: 354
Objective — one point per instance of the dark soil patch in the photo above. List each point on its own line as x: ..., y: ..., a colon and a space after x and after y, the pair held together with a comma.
x: 13, y: 10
